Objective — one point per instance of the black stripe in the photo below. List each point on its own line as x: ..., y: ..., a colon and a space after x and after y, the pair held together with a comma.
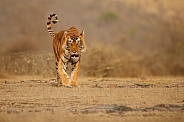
x: 53, y: 14
x: 54, y: 22
x: 49, y: 28
x: 57, y: 59
x: 73, y: 65
x: 62, y: 61
x: 48, y: 23
x: 64, y: 69
x: 57, y: 52
x: 65, y: 57
x: 49, y: 18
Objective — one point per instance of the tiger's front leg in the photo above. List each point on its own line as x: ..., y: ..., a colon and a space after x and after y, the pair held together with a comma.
x: 62, y: 73
x: 74, y: 74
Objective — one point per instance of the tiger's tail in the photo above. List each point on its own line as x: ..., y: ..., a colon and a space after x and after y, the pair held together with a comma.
x: 49, y: 21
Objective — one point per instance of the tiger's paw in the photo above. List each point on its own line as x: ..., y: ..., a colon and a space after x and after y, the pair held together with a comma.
x: 68, y: 85
x: 74, y: 84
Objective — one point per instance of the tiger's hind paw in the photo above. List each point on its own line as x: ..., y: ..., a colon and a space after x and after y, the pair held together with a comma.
x: 68, y: 85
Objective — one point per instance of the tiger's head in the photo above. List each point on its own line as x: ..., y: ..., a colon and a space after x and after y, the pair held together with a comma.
x: 74, y: 46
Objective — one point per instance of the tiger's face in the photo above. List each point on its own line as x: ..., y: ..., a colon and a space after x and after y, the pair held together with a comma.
x: 75, y: 46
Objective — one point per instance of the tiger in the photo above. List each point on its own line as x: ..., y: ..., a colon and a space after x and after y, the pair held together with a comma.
x: 68, y: 46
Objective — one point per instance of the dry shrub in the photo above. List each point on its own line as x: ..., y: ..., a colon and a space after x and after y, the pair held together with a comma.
x: 128, y: 44
x: 27, y: 63
x: 105, y: 60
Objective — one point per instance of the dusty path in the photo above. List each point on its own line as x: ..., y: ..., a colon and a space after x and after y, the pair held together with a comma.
x: 151, y: 99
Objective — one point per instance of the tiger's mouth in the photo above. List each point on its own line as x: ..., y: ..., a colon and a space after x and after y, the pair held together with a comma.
x: 74, y: 55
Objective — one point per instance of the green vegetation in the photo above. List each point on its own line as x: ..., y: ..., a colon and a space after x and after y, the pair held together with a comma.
x: 109, y: 16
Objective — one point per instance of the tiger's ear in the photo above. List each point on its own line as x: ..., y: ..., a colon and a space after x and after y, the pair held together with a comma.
x: 65, y: 33
x: 84, y: 43
x: 82, y: 34
x: 65, y: 36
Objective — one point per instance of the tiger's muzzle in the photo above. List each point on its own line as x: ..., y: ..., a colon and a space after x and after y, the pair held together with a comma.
x: 74, y: 56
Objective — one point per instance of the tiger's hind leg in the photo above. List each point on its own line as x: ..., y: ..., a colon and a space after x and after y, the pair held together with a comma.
x: 74, y: 74
x: 57, y: 81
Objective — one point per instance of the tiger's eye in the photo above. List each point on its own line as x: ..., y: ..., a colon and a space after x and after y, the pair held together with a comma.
x: 67, y: 47
x: 81, y: 46
x: 77, y: 39
x: 70, y: 40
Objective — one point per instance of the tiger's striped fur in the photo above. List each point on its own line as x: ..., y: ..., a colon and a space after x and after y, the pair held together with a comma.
x: 51, y: 32
x: 68, y: 47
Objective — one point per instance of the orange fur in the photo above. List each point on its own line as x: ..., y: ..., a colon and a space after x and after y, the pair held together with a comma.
x: 68, y: 47
x: 74, y: 74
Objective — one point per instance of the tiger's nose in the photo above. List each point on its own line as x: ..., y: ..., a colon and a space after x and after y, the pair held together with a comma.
x: 74, y: 52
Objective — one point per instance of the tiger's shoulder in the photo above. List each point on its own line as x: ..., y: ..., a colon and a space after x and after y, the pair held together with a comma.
x: 70, y: 32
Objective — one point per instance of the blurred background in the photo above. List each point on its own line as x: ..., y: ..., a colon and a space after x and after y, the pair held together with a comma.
x: 125, y: 38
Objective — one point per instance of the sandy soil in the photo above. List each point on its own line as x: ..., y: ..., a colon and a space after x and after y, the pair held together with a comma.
x: 95, y: 99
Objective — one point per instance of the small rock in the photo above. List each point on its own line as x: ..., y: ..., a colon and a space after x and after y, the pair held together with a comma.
x: 5, y: 82
x: 22, y: 81
x: 38, y: 111
x: 97, y: 86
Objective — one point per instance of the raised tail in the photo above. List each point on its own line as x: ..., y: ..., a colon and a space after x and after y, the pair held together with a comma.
x: 49, y: 21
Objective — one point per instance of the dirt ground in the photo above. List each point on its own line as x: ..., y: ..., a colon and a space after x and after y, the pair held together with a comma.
x: 95, y: 99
